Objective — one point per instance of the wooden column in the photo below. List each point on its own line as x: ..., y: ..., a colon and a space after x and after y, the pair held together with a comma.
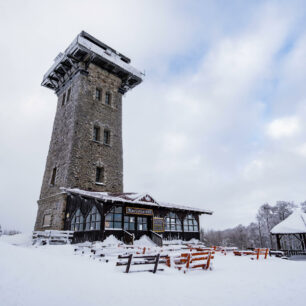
x: 278, y: 243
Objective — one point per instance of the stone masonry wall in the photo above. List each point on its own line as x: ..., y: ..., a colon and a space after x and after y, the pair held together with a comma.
x: 54, y: 206
x: 86, y: 153
x: 72, y: 149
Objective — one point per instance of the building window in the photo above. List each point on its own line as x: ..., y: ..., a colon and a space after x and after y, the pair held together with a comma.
x: 113, y: 219
x: 93, y: 220
x: 47, y: 220
x: 98, y: 94
x: 53, y: 176
x: 68, y: 94
x: 63, y: 99
x: 190, y: 224
x: 106, y: 138
x: 108, y: 98
x: 142, y: 223
x: 99, y: 175
x: 173, y: 223
x: 77, y: 222
x: 129, y: 223
x: 96, y: 133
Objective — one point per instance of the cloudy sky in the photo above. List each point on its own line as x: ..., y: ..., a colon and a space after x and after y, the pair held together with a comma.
x: 218, y: 123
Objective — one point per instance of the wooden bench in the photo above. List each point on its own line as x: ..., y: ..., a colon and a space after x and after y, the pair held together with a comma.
x: 133, y: 260
x: 52, y: 237
x: 194, y: 260
x: 256, y: 252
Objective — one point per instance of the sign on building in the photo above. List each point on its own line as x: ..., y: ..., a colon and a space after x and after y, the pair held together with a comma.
x: 139, y: 211
x: 158, y: 225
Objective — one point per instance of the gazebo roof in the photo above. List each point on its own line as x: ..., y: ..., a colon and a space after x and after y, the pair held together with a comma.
x: 294, y: 224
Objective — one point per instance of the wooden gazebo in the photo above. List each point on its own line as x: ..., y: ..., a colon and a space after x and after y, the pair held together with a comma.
x: 294, y: 225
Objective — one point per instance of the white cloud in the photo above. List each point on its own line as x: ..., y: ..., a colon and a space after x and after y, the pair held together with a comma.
x: 283, y: 127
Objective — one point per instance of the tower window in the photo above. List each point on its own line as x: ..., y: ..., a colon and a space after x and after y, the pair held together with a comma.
x: 47, y: 220
x: 99, y: 175
x: 68, y: 94
x: 96, y: 133
x: 108, y: 98
x: 106, y: 139
x: 98, y: 94
x: 52, y: 182
x: 63, y: 99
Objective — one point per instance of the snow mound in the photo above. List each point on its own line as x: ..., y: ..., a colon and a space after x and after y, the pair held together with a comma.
x: 144, y: 241
x: 194, y: 241
x: 111, y: 240
x: 22, y: 239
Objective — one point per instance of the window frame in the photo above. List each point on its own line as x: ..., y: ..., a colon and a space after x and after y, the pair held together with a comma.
x: 142, y: 220
x: 44, y: 224
x: 114, y: 217
x: 173, y: 223
x: 98, y: 94
x: 63, y: 98
x: 108, y: 132
x: 190, y: 224
x: 93, y: 220
x: 108, y: 98
x: 53, y: 176
x: 100, y: 175
x: 77, y: 221
x: 68, y: 94
x: 96, y: 133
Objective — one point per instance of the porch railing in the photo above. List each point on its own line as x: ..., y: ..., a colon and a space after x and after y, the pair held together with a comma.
x: 128, y: 238
x: 157, y: 239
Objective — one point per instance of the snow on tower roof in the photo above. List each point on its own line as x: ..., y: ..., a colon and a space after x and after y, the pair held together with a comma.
x: 86, y: 48
x: 132, y: 198
x: 294, y: 224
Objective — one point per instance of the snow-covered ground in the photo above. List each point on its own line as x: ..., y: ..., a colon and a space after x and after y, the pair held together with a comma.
x: 53, y: 275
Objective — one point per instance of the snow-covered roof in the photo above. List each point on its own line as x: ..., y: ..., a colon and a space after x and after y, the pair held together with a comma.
x: 294, y: 224
x: 133, y: 198
x: 87, y: 48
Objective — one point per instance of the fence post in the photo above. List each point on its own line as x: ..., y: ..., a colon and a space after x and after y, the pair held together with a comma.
x: 258, y: 252
x: 156, y: 263
x: 208, y: 261
x: 188, y: 261
x: 129, y: 263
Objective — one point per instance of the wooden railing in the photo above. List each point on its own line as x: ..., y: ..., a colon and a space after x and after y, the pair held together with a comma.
x: 128, y: 238
x: 52, y: 236
x: 157, y: 239
x: 289, y: 253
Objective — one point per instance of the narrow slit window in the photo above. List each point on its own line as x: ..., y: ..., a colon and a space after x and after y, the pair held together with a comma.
x: 68, y: 94
x: 63, y: 99
x: 106, y: 137
x: 108, y: 98
x: 96, y: 133
x: 53, y: 176
x: 99, y: 175
x: 98, y: 94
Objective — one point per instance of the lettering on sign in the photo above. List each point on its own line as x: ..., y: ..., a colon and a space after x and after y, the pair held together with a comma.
x: 139, y: 211
x: 158, y: 225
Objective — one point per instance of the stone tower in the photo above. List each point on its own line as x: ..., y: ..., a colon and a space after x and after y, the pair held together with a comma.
x: 85, y: 151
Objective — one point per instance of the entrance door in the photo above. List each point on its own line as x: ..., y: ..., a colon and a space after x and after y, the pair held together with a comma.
x: 142, y: 223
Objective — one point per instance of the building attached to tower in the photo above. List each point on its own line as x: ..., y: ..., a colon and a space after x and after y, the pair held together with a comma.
x: 82, y: 188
